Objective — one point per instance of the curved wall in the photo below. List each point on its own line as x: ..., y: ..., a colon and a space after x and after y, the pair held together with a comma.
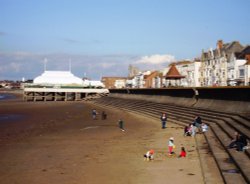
x: 229, y: 99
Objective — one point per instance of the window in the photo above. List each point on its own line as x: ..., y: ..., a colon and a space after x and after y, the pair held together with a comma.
x: 242, y: 72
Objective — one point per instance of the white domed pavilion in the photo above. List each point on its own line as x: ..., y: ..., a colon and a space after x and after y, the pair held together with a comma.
x: 58, y: 78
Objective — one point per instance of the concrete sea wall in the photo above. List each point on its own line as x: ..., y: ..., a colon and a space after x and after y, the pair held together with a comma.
x: 228, y: 99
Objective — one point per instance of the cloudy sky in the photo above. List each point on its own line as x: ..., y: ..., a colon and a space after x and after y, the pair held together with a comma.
x: 102, y: 37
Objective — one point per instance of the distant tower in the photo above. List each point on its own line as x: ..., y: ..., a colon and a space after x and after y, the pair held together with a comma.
x: 45, y: 64
x: 132, y: 71
x: 70, y: 65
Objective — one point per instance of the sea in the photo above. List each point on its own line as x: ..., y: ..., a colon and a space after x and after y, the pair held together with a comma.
x: 8, y: 117
x: 5, y: 96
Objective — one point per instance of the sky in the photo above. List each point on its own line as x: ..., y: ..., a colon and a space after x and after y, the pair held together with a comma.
x: 103, y: 37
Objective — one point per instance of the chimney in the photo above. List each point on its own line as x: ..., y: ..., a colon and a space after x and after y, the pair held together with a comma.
x: 219, y: 44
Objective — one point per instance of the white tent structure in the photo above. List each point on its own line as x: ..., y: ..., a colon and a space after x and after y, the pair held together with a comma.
x: 58, y: 78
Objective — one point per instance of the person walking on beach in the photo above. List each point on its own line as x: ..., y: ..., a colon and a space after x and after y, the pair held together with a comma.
x: 104, y: 115
x: 94, y: 114
x: 163, y: 120
x: 121, y: 124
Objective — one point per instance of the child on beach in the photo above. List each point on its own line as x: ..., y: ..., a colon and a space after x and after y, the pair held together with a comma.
x: 183, y: 152
x: 120, y: 123
x: 171, y: 146
x: 187, y: 130
x: 149, y: 155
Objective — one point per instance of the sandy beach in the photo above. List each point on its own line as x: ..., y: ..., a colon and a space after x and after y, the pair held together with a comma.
x: 58, y: 142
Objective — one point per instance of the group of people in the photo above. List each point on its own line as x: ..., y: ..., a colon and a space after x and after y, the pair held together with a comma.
x: 196, y: 126
x: 189, y: 130
x: 171, y: 147
x: 239, y: 142
x: 104, y: 115
x: 95, y: 113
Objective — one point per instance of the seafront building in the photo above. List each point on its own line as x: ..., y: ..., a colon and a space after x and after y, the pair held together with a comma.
x: 114, y: 82
x: 60, y: 86
x: 227, y: 65
x: 214, y: 63
x: 58, y: 78
x: 190, y: 71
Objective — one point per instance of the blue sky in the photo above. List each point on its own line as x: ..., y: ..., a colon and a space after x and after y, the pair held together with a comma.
x: 102, y: 37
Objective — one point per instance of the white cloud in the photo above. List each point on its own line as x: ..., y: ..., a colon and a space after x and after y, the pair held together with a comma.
x: 16, y: 65
x: 156, y: 59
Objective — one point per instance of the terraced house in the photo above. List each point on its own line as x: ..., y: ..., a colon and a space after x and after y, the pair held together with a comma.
x: 238, y: 68
x: 227, y: 65
x: 214, y: 63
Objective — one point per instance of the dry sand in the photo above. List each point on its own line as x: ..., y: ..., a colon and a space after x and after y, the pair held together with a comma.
x: 59, y: 143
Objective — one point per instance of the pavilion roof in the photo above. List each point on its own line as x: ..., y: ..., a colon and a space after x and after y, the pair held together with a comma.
x: 173, y: 73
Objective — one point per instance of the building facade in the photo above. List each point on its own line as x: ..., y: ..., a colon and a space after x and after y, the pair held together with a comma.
x: 214, y: 63
x: 114, y: 82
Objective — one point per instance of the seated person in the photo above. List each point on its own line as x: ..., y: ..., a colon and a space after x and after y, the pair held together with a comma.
x: 204, y: 127
x: 241, y: 143
x: 197, y: 123
x: 187, y: 130
x: 233, y: 143
x: 183, y: 152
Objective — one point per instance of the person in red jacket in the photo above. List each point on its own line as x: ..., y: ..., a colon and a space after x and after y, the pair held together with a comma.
x: 183, y: 152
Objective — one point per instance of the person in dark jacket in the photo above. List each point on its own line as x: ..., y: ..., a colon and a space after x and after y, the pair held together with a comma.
x: 121, y: 124
x: 198, y: 122
x: 241, y: 143
x: 163, y: 120
x: 234, y: 141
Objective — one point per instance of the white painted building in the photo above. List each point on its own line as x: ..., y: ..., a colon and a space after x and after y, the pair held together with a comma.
x: 234, y: 73
x: 214, y: 63
x: 247, y: 73
x: 244, y: 74
x: 189, y: 69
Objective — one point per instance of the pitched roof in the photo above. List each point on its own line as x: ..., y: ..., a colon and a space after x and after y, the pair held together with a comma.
x: 227, y: 48
x: 173, y: 73
x: 180, y: 62
x: 243, y: 53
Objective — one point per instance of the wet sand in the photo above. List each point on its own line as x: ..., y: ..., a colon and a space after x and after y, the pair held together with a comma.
x: 59, y: 143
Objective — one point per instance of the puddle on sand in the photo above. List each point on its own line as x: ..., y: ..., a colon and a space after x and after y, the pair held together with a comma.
x: 10, y: 117
x: 232, y: 171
